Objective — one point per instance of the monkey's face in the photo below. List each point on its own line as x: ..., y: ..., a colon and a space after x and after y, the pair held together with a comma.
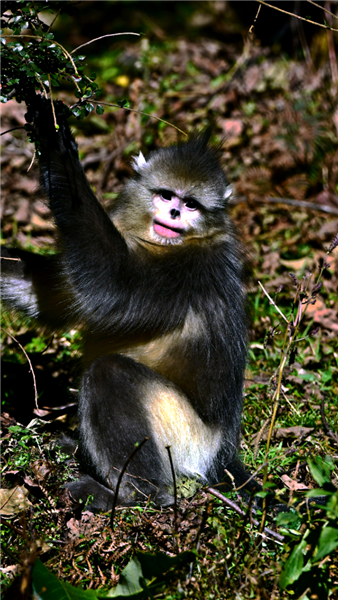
x: 175, y: 214
x: 178, y: 195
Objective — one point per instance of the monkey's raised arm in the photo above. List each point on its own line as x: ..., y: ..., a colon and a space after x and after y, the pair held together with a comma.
x: 62, y: 175
x: 92, y: 247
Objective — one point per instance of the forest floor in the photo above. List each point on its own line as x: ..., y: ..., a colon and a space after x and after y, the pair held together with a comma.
x: 278, y: 120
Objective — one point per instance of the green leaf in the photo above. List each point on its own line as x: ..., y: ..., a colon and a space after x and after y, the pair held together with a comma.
x: 294, y: 566
x: 89, y: 107
x: 131, y: 580
x: 328, y: 541
x: 320, y: 470
x: 332, y: 506
x: 288, y: 519
x: 47, y: 586
x: 99, y: 109
x: 315, y: 492
x: 122, y: 103
x: 76, y: 111
x: 145, y: 572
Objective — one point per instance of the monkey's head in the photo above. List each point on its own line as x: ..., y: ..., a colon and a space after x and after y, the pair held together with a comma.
x: 178, y: 194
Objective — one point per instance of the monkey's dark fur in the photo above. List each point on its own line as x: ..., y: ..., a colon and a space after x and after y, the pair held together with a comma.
x: 163, y: 315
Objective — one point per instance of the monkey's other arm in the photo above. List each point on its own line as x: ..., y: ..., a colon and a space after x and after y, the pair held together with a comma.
x: 35, y: 286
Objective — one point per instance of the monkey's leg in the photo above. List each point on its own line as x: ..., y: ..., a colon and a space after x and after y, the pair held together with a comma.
x: 35, y: 286
x: 122, y: 402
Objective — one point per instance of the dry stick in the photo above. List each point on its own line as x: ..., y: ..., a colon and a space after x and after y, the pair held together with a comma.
x: 104, y: 36
x: 42, y: 85
x: 245, y: 52
x: 48, y: 345
x: 10, y: 258
x: 248, y: 514
x: 13, y: 129
x: 251, y: 476
x: 259, y: 437
x: 30, y: 364
x: 140, y: 113
x: 205, y: 515
x: 255, y: 19
x: 290, y: 201
x: 322, y: 7
x: 136, y: 449
x: 294, y: 479
x: 9, y: 497
x: 203, y: 522
x: 52, y: 103
x: 276, y: 396
x: 332, y: 51
x: 305, y: 47
x: 275, y: 399
x: 175, y: 487
x: 52, y: 23
x: 272, y: 302
x: 302, y: 204
x: 233, y: 505
x: 297, y: 16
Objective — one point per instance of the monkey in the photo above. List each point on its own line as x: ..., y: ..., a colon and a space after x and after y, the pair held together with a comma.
x: 158, y: 288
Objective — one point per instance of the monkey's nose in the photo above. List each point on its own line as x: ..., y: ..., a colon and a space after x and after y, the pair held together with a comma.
x: 174, y: 213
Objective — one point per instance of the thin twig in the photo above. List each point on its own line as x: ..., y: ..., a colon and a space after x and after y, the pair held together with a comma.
x: 10, y: 258
x: 297, y: 16
x: 332, y: 51
x: 52, y: 103
x: 175, y: 486
x: 259, y: 436
x: 253, y: 475
x: 322, y: 7
x: 136, y: 449
x: 294, y: 480
x: 242, y: 529
x: 104, y: 36
x: 9, y: 497
x: 327, y: 427
x: 204, y: 519
x: 48, y: 345
x: 30, y: 364
x: 32, y: 161
x: 255, y: 20
x: 13, y: 129
x: 273, y: 302
x: 52, y: 23
x: 42, y: 85
x: 235, y: 507
x: 300, y: 203
x: 203, y: 522
x: 303, y: 204
x: 140, y: 113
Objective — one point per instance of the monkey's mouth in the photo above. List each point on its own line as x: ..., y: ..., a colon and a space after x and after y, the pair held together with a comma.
x: 166, y: 231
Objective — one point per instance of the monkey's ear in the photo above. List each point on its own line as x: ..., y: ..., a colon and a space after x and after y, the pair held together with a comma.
x: 229, y: 190
x: 138, y: 162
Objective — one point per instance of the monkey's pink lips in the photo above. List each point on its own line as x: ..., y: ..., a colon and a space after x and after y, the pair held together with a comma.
x: 166, y: 231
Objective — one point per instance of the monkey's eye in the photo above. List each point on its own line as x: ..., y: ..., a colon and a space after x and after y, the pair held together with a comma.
x: 166, y: 194
x: 191, y: 203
